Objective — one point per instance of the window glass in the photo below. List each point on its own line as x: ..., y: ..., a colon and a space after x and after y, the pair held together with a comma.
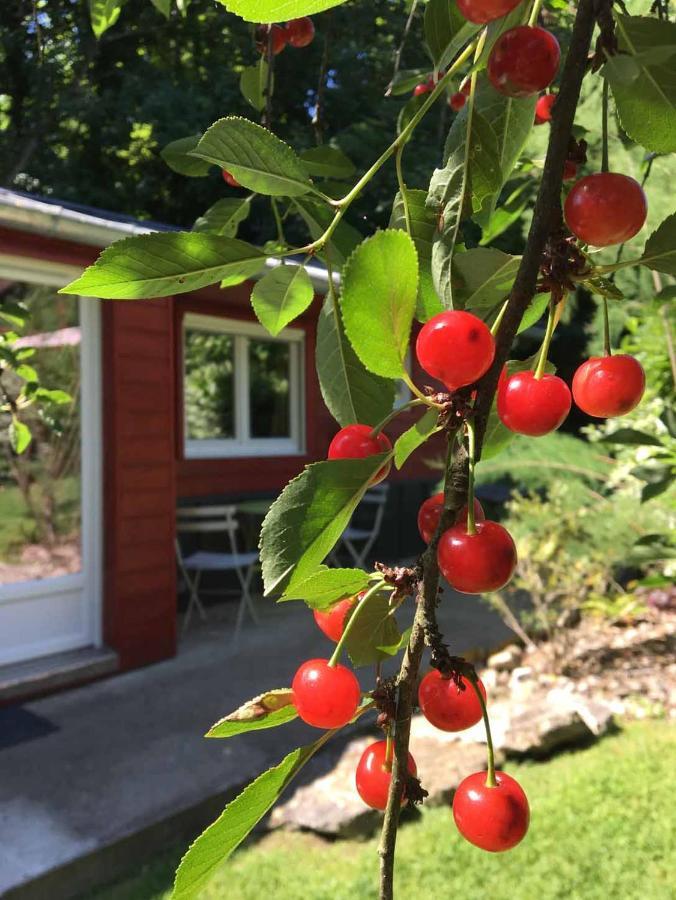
x: 40, y: 527
x: 269, y: 389
x: 209, y: 385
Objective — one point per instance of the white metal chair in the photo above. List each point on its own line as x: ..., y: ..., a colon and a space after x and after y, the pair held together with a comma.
x: 375, y: 498
x: 215, y: 519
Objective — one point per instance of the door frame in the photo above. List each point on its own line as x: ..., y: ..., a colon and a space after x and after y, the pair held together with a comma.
x: 89, y: 581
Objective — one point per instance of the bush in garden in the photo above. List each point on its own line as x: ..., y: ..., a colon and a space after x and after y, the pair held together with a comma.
x: 472, y: 301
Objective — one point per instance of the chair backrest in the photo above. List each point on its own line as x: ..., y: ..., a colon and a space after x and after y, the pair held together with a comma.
x: 202, y: 519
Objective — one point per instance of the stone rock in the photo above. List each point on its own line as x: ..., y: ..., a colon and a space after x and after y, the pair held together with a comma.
x: 507, y: 659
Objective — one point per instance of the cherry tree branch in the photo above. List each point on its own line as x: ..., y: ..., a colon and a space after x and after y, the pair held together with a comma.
x: 547, y: 219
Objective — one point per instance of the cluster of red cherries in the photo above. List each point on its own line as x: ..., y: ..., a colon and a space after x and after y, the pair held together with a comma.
x: 297, y: 33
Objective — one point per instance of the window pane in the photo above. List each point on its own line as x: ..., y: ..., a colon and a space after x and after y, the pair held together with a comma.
x: 40, y: 489
x: 209, y: 385
x: 269, y: 363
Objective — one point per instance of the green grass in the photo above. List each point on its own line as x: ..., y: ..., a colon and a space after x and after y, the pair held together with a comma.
x: 602, y: 827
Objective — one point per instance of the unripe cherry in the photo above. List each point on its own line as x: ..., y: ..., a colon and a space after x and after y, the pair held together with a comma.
x: 523, y: 61
x: 482, y: 11
x: 446, y: 706
x: 605, y: 209
x: 300, y: 32
x: 455, y: 347
x: 430, y: 513
x: 477, y: 563
x: 492, y: 818
x: 606, y: 386
x: 533, y: 406
x: 356, y: 442
x: 374, y: 774
x: 332, y: 621
x: 325, y: 696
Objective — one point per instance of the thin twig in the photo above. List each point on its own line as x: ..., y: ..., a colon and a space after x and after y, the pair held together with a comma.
x: 318, y: 118
x: 400, y: 48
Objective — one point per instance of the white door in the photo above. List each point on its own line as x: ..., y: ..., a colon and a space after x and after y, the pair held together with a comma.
x: 50, y: 496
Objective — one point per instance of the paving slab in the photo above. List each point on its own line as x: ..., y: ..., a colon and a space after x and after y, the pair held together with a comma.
x: 86, y: 772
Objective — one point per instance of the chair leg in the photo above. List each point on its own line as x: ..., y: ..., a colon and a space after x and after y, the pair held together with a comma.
x: 248, y: 598
x: 194, y: 601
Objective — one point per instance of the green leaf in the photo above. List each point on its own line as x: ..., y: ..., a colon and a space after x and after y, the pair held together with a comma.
x: 406, y: 79
x: 253, y: 84
x: 446, y: 31
x: 309, y: 516
x: 660, y: 248
x: 327, y: 586
x: 373, y: 628
x: 224, y: 217
x: 653, y: 548
x: 378, y: 300
x: 508, y: 212
x: 266, y: 711
x: 281, y: 296
x: 423, y: 224
x: 277, y: 10
x: 482, y: 277
x: 160, y: 265
x: 104, y: 14
x: 415, y: 436
x: 239, y: 817
x: 646, y: 103
x: 394, y: 648
x: 27, y: 372
x: 176, y: 157
x: 55, y: 396
x: 19, y: 435
x: 327, y: 162
x: 317, y: 216
x: 604, y: 287
x: 163, y: 6
x: 655, y: 488
x: 255, y: 157
x: 351, y: 393
x: 15, y: 314
x: 632, y: 437
x: 534, y: 311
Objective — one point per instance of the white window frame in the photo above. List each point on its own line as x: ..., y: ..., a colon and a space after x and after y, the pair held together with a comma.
x: 243, y: 444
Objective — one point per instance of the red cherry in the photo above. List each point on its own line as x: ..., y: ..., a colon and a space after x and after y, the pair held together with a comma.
x: 543, y: 108
x: 534, y: 406
x: 355, y: 442
x: 447, y: 707
x: 430, y: 513
x: 279, y: 38
x: 466, y: 87
x: 421, y: 89
x: 523, y: 61
x: 455, y: 347
x: 492, y: 818
x: 332, y: 622
x: 475, y: 563
x: 569, y: 170
x: 325, y: 696
x: 230, y: 179
x: 605, y: 209
x: 373, y: 776
x: 457, y: 101
x: 606, y: 386
x: 482, y: 11
x: 300, y: 32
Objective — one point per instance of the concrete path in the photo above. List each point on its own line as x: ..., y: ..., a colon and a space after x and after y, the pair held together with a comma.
x: 94, y: 779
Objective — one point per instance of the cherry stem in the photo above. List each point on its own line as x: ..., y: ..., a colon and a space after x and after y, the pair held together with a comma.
x: 402, y: 186
x: 490, y: 774
x: 393, y: 415
x: 606, y: 329
x: 498, y: 318
x: 471, y: 451
x: 544, y: 350
x: 335, y: 658
x: 534, y: 13
x: 406, y: 378
x: 605, y: 166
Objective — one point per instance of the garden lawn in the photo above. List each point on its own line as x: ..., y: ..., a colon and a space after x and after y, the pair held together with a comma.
x: 603, y: 825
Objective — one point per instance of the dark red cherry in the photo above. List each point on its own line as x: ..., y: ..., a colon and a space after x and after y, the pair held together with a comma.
x: 374, y: 774
x: 421, y: 89
x: 279, y: 38
x: 325, y: 696
x: 446, y: 706
x: 523, y: 61
x: 332, y: 622
x: 476, y: 563
x: 482, y: 11
x: 455, y: 347
x: 533, y: 406
x: 607, y: 386
x: 457, y: 101
x: 492, y: 818
x: 230, y: 179
x: 605, y: 209
x: 430, y: 513
x: 355, y: 442
x: 300, y: 32
x: 569, y: 170
x: 543, y: 108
